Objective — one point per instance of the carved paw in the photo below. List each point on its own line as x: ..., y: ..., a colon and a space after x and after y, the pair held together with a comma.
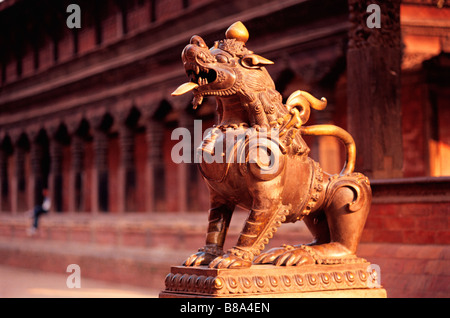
x: 229, y: 261
x: 295, y: 257
x: 199, y: 258
x: 271, y: 255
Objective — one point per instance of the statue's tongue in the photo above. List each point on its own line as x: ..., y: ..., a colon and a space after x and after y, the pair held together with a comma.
x: 184, y: 88
x: 187, y: 87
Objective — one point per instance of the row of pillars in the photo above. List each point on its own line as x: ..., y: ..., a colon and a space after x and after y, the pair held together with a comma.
x: 374, y: 119
x: 21, y: 183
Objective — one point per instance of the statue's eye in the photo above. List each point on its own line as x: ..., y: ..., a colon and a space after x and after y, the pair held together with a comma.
x: 221, y: 58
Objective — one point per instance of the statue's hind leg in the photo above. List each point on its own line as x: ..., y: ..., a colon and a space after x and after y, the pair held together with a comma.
x: 346, y: 208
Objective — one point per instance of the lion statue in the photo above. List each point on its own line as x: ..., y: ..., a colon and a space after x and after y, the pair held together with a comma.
x: 256, y: 158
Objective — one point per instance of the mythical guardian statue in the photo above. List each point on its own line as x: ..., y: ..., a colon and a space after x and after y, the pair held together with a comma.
x: 275, y: 179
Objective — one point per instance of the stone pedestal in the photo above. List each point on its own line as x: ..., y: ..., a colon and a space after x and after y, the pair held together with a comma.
x: 269, y: 281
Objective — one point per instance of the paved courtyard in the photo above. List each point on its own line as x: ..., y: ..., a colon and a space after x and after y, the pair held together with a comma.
x: 26, y: 283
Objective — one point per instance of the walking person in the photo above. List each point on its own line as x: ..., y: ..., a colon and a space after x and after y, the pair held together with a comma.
x: 39, y: 210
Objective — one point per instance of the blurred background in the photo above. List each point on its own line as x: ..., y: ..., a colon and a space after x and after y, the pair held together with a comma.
x: 87, y: 113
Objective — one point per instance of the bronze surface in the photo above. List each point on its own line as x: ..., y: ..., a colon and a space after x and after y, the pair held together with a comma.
x: 334, y: 207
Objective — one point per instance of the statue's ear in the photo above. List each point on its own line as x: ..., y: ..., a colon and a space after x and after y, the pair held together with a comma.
x: 254, y: 61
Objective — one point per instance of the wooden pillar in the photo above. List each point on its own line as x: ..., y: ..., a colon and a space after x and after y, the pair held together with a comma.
x: 31, y: 185
x: 373, y: 76
x: 156, y: 185
x: 20, y: 204
x: 55, y: 177
x: 188, y: 172
x: 127, y: 172
x: 59, y: 188
x: 76, y: 193
x: 13, y: 192
x: 3, y: 177
x: 100, y: 176
x: 6, y: 150
x: 5, y: 184
x: 36, y: 180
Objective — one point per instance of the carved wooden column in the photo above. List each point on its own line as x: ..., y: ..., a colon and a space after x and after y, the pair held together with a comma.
x: 20, y: 202
x: 13, y: 193
x: 188, y: 172
x: 55, y: 177
x: 3, y: 177
x: 127, y: 173
x: 76, y: 176
x: 40, y: 165
x: 36, y: 183
x: 6, y: 150
x: 100, y: 176
x: 373, y: 75
x: 31, y: 186
x: 156, y: 188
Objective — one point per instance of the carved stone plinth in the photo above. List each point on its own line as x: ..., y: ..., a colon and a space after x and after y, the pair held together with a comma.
x: 350, y: 280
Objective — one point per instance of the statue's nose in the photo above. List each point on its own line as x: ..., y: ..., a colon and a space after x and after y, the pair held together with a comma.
x: 189, y: 53
x: 197, y: 40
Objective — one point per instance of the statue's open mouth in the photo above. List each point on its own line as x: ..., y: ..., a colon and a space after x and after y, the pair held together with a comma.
x: 200, y: 75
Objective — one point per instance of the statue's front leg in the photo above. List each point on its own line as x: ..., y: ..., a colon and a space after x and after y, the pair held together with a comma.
x: 263, y: 221
x: 219, y: 221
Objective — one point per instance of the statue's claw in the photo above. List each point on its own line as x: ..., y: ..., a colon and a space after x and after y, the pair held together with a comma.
x: 229, y: 261
x: 295, y: 257
x: 271, y: 255
x: 199, y: 258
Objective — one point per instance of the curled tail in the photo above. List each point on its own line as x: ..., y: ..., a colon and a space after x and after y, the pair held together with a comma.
x: 304, y: 101
x: 299, y: 105
x: 344, y: 136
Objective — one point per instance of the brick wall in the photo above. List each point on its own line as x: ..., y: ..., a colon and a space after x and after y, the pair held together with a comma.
x: 410, y: 223
x: 111, y: 26
x: 11, y: 70
x: 46, y: 58
x: 410, y: 211
x: 198, y: 2
x: 66, y: 46
x: 167, y: 9
x: 87, y: 41
x: 28, y: 62
x: 138, y: 17
x: 407, y: 270
x: 411, y: 270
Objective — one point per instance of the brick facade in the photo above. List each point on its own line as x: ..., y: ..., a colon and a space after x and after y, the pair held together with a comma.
x: 88, y: 112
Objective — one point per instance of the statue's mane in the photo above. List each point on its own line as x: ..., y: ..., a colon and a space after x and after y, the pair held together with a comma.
x: 259, y: 85
x: 274, y: 110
